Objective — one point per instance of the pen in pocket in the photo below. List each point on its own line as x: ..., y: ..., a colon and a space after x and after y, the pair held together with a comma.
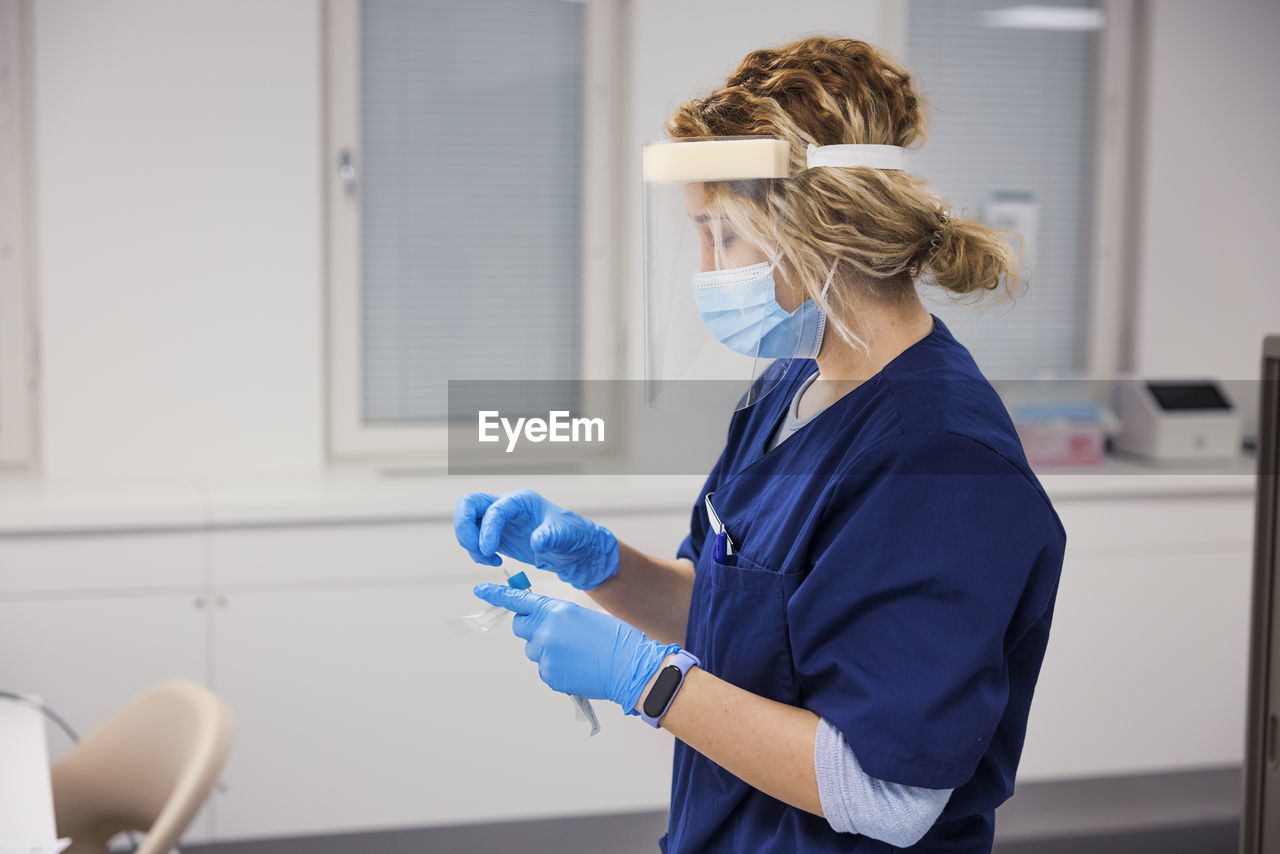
x: 724, y: 543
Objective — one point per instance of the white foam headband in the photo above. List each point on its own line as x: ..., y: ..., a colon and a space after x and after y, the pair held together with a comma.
x: 874, y: 156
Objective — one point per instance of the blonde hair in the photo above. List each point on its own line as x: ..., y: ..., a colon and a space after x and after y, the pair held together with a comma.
x: 885, y: 227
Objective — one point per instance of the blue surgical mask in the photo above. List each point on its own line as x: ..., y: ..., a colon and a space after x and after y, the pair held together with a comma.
x: 741, y: 310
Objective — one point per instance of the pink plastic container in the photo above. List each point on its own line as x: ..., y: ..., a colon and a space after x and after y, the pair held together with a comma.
x: 1058, y: 436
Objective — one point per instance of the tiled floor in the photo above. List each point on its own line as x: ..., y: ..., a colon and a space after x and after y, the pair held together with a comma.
x: 1193, y: 839
x: 634, y: 833
x: 1197, y: 812
x: 638, y: 834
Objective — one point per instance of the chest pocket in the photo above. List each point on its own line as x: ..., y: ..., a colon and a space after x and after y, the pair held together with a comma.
x: 738, y: 626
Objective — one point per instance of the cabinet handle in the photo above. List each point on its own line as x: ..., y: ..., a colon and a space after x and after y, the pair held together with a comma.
x: 1271, y: 740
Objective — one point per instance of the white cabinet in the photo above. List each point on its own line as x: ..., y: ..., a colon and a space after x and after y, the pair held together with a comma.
x: 81, y: 562
x: 356, y: 708
x: 360, y: 709
x: 343, y: 554
x: 1146, y: 667
x: 1147, y: 658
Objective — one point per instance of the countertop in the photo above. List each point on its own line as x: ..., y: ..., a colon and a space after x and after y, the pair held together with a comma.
x: 36, y: 504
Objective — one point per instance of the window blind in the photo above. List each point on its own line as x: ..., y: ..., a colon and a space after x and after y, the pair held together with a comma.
x: 470, y: 187
x: 1012, y: 111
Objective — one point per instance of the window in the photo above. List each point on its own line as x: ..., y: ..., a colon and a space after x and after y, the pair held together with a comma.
x: 468, y: 154
x: 1015, y: 122
x: 17, y: 338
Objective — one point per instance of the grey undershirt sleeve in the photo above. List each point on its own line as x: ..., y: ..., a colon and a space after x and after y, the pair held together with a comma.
x: 855, y: 802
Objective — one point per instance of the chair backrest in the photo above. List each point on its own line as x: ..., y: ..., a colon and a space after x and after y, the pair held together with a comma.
x: 148, y: 767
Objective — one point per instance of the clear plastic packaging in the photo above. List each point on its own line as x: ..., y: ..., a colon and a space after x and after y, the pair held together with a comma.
x: 585, y: 712
x: 481, y: 621
x: 492, y: 617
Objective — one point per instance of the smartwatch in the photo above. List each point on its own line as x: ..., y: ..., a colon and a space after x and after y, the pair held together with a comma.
x: 665, y: 687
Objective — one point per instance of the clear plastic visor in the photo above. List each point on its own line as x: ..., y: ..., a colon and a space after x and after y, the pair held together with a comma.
x: 713, y: 322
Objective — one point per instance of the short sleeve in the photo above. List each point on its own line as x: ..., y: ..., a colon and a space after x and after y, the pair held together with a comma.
x: 690, y: 548
x: 934, y: 557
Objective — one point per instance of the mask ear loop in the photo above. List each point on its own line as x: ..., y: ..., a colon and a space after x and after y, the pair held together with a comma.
x: 824, y: 307
x: 826, y: 286
x: 775, y: 258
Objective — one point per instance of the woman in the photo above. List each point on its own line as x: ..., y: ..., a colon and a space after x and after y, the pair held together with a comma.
x: 847, y: 643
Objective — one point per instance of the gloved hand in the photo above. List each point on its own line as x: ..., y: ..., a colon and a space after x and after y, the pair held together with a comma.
x: 580, y: 651
x: 529, y: 528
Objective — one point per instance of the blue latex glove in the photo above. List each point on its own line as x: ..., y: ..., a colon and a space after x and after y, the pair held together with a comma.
x: 580, y: 651
x: 525, y: 526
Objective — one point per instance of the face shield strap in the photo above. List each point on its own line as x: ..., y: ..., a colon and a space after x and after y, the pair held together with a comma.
x: 892, y: 157
x: 887, y: 157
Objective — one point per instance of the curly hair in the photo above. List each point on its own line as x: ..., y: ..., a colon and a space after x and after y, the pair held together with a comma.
x: 886, y: 227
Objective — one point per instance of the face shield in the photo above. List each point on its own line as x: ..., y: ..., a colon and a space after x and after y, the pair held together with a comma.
x: 717, y: 314
x: 713, y: 323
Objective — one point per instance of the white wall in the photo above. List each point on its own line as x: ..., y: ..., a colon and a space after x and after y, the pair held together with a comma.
x: 179, y: 223
x: 179, y: 230
x: 178, y: 234
x: 1208, y: 289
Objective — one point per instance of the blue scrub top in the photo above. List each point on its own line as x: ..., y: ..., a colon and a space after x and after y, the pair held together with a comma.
x: 895, y: 569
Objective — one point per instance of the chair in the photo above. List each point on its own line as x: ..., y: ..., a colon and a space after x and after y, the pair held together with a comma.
x: 148, y: 767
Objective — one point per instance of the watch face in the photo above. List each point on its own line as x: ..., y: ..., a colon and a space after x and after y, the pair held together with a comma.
x: 663, y: 689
